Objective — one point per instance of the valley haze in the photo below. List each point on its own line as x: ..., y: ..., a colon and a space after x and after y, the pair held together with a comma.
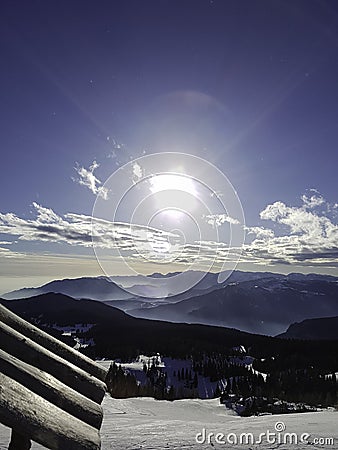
x: 257, y: 302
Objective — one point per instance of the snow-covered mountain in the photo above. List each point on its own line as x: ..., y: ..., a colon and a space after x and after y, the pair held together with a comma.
x: 267, y: 305
x: 143, y: 288
x: 104, y: 289
x: 258, y: 302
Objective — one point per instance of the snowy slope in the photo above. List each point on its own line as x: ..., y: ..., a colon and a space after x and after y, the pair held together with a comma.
x: 145, y: 423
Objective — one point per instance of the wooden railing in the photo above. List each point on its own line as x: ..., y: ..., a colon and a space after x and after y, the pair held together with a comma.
x: 49, y: 392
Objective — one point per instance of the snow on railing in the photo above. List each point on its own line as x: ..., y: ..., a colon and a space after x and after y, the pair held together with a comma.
x: 49, y: 392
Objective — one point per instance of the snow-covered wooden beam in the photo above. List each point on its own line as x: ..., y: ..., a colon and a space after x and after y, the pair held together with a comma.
x: 49, y: 392
x: 33, y: 417
x: 51, y: 343
x: 36, y: 355
x: 51, y: 389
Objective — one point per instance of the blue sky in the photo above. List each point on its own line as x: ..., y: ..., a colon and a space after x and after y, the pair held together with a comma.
x: 249, y: 86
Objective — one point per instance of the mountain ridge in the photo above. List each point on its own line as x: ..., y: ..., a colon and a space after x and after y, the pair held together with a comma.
x: 319, y: 328
x: 256, y: 302
x: 265, y: 306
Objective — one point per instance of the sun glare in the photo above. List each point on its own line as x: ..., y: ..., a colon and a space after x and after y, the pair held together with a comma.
x: 166, y: 182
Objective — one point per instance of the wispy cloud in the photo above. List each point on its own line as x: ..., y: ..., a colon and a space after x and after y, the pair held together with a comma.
x: 82, y: 230
x: 312, y: 201
x: 259, y: 232
x: 87, y: 178
x: 216, y: 220
x: 7, y: 253
x: 133, y: 241
x: 137, y: 174
x: 299, y: 235
x: 115, y: 144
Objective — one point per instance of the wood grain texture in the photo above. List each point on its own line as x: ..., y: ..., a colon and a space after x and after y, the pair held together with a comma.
x: 27, y: 350
x: 42, y: 421
x: 51, y: 389
x: 51, y: 343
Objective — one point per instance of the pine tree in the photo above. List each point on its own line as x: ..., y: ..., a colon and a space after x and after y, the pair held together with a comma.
x: 217, y: 392
x: 195, y: 382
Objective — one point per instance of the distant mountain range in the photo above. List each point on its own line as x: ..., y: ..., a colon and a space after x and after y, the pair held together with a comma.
x: 257, y: 302
x: 98, y: 288
x: 145, y: 290
x: 267, y: 305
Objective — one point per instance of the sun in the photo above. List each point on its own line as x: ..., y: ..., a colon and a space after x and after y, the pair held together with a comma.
x: 174, y: 193
x: 172, y: 182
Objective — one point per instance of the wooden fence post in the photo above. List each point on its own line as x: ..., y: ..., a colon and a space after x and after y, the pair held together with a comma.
x: 19, y: 442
